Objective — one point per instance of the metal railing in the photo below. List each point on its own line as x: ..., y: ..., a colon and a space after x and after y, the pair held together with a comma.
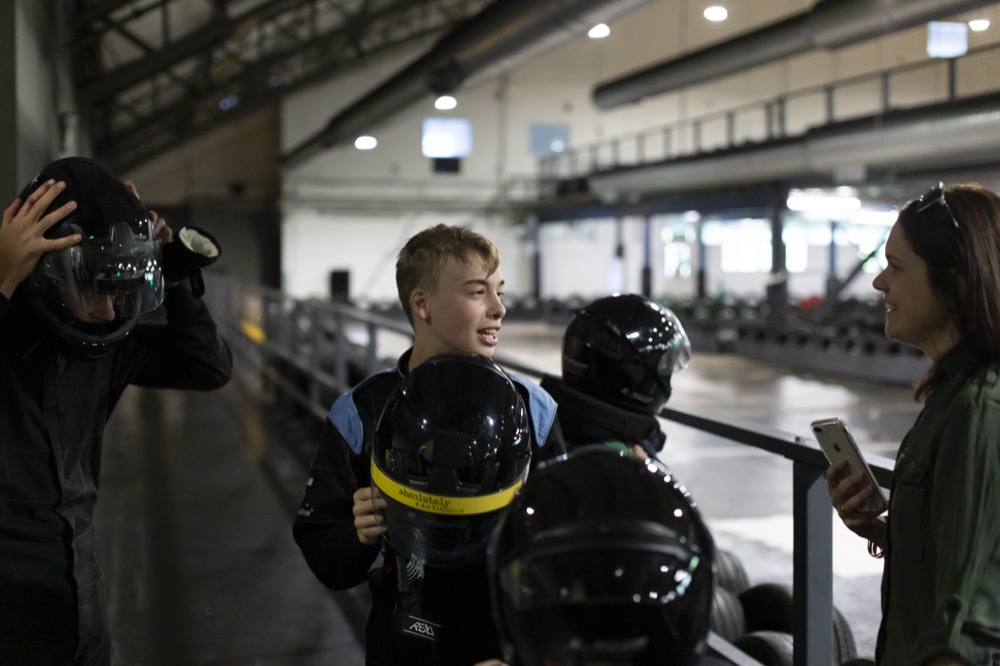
x: 783, y: 115
x: 309, y: 350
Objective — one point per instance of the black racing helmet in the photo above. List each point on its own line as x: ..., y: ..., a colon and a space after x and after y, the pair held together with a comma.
x: 451, y: 449
x: 602, y: 558
x: 622, y: 349
x: 118, y: 260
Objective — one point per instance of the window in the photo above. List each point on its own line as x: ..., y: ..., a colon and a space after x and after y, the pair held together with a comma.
x: 549, y: 139
x: 745, y: 245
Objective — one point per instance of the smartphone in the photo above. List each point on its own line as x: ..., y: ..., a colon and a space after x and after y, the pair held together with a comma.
x: 838, y: 444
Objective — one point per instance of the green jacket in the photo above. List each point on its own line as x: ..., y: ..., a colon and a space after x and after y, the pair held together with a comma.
x: 941, y: 586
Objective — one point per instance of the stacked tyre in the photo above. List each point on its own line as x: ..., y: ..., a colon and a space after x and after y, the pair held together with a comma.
x: 758, y: 620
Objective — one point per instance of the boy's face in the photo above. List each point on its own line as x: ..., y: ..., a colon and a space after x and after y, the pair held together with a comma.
x: 462, y: 314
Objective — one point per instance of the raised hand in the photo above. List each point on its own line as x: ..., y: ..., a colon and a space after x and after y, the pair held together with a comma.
x: 22, y: 234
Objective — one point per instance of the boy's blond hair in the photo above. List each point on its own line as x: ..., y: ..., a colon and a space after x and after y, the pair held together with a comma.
x: 419, y: 262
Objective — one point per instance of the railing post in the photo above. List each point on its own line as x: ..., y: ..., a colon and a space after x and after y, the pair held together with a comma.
x: 316, y: 353
x: 952, y: 79
x: 812, y: 561
x: 372, y: 357
x: 340, y: 362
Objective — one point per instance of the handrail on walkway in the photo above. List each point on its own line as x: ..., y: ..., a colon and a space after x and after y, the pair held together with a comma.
x: 308, y: 350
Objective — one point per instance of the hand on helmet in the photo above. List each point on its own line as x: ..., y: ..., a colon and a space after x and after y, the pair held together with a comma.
x: 195, y: 250
x: 22, y: 234
x: 369, y: 515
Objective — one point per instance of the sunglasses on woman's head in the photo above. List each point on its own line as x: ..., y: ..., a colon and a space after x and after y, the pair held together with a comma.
x: 936, y: 196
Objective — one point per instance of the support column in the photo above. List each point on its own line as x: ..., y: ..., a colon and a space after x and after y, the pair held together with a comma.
x: 647, y: 257
x: 8, y: 104
x: 777, y: 289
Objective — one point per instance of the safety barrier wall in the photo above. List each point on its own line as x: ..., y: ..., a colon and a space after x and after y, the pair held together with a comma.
x: 312, y: 351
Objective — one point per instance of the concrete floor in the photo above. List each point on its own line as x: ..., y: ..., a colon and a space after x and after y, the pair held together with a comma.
x: 199, y: 491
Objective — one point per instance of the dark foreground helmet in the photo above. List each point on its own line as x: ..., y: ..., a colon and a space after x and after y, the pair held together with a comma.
x: 622, y: 349
x: 451, y: 449
x: 117, y: 264
x: 601, y: 559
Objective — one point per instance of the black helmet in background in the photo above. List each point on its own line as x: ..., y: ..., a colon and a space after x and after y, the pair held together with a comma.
x: 622, y: 349
x: 451, y: 449
x: 117, y: 264
x: 601, y: 559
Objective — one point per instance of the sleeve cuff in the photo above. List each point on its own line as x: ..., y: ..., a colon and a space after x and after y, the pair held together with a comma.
x: 180, y: 303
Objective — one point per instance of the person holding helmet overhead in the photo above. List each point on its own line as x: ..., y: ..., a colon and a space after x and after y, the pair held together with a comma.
x: 619, y: 353
x: 602, y: 559
x: 430, y: 600
x: 80, y: 261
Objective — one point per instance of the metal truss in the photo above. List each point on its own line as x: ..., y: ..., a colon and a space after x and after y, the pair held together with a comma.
x: 151, y: 74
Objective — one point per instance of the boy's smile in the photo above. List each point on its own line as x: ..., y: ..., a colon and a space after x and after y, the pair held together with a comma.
x: 461, y: 314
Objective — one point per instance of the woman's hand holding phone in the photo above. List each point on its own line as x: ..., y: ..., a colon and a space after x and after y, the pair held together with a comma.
x: 854, y: 491
x: 850, y: 495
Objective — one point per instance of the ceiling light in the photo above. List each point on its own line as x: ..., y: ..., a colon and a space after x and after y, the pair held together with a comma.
x: 978, y: 25
x: 599, y: 31
x: 365, y: 142
x: 716, y: 13
x: 445, y: 103
x: 820, y: 201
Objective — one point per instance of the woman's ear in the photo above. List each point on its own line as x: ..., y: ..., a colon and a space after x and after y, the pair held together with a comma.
x: 960, y: 285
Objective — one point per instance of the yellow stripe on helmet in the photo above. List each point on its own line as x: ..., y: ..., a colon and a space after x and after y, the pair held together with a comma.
x: 446, y: 505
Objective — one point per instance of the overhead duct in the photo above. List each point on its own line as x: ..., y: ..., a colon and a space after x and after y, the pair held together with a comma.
x: 938, y: 137
x: 503, y: 35
x: 830, y: 24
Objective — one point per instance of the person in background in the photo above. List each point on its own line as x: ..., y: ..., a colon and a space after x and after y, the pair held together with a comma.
x: 941, y: 535
x: 602, y: 559
x: 618, y: 355
x: 450, y: 285
x: 80, y: 261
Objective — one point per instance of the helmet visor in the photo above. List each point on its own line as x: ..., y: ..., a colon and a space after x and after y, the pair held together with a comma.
x: 598, y: 577
x: 607, y: 606
x: 115, y: 277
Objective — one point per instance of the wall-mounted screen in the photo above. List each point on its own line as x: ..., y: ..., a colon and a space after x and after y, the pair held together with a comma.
x: 946, y: 39
x: 447, y: 137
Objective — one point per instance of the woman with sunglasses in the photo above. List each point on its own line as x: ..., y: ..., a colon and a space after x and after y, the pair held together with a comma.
x: 941, y: 535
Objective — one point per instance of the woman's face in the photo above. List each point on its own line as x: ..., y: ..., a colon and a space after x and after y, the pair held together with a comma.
x: 914, y: 313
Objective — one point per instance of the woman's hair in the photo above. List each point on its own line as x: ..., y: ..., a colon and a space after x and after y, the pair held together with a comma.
x: 421, y: 259
x: 959, y: 239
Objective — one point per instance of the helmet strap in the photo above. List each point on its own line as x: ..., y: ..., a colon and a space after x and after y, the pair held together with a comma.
x: 408, y: 617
